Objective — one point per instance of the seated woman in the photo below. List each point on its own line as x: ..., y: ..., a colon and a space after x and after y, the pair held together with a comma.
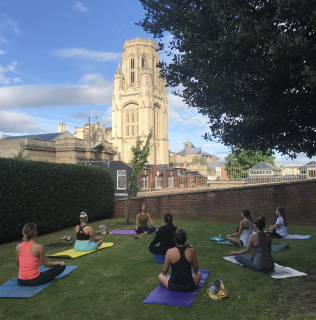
x: 245, y: 230
x: 142, y: 218
x: 279, y: 230
x: 83, y: 234
x: 260, y: 243
x: 28, y: 254
x: 164, y: 236
x: 181, y: 258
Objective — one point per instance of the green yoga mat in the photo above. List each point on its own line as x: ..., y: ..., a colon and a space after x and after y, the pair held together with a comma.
x: 274, y: 247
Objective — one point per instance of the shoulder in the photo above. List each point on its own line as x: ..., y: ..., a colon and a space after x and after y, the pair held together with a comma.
x: 138, y: 215
x: 148, y: 215
x: 18, y: 247
x: 38, y: 247
x: 280, y: 219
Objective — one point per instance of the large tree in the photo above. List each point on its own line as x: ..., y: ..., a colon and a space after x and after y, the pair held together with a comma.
x: 250, y: 66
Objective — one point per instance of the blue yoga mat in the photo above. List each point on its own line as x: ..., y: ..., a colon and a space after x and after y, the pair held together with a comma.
x: 159, y: 258
x: 11, y: 289
x: 162, y: 295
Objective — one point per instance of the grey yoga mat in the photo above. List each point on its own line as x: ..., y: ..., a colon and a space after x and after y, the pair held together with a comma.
x: 279, y: 272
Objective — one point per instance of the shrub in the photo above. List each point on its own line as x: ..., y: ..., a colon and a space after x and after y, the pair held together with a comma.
x: 51, y: 195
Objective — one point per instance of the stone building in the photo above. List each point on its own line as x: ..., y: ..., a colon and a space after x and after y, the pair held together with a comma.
x: 139, y: 102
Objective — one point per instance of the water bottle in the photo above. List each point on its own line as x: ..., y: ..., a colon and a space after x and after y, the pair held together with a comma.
x: 220, y: 236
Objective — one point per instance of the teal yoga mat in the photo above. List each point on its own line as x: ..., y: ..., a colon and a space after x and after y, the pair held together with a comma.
x: 274, y: 247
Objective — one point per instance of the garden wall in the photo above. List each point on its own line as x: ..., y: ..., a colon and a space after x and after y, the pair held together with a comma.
x: 224, y: 205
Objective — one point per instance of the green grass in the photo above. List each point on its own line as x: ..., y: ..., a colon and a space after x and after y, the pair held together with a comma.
x: 113, y: 282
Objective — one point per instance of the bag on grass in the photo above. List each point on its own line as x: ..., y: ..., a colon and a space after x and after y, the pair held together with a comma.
x: 104, y: 229
x: 216, y: 290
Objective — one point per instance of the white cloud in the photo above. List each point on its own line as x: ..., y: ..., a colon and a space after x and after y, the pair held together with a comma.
x: 6, y: 21
x: 12, y: 66
x: 173, y: 116
x: 17, y: 80
x: 4, y: 40
x: 90, y: 78
x: 4, y: 79
x: 2, y: 52
x: 82, y: 53
x: 79, y: 6
x: 175, y: 102
x: 55, y: 95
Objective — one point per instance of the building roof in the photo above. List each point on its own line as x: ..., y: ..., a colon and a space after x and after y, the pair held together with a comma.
x: 43, y: 136
x: 181, y: 153
x: 194, y: 151
x: 265, y: 166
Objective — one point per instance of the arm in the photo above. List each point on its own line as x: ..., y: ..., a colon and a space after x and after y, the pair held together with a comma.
x: 195, y: 263
x: 241, y: 226
x: 92, y: 236
x: 150, y: 221
x: 274, y: 227
x: 75, y: 233
x: 136, y: 224
x: 167, y: 264
x: 249, y: 246
x: 44, y: 261
x: 17, y: 253
x: 157, y: 238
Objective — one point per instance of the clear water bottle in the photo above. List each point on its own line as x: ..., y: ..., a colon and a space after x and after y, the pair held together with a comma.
x: 220, y: 236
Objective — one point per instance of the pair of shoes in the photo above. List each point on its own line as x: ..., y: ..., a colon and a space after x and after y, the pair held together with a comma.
x: 68, y: 237
x: 64, y: 238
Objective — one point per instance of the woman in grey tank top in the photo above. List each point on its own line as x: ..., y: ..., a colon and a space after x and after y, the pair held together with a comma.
x: 260, y: 243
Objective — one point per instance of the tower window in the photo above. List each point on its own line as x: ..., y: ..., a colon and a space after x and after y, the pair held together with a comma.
x: 132, y: 130
x: 127, y: 117
x: 132, y: 117
x: 137, y: 129
x: 132, y: 77
x: 127, y: 130
x: 143, y: 62
x: 132, y: 63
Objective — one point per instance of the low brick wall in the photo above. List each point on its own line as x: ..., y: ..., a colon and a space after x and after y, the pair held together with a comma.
x: 225, y: 205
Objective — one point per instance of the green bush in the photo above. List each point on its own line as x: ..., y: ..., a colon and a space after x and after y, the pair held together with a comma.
x: 51, y: 195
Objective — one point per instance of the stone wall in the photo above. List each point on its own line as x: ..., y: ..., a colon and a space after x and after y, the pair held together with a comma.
x: 225, y: 205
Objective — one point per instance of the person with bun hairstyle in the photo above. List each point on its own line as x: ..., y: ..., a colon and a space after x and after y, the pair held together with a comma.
x: 260, y: 244
x: 181, y: 258
x: 83, y: 233
x: 279, y: 230
x: 28, y: 254
x: 245, y: 230
x: 164, y: 236
x: 142, y: 219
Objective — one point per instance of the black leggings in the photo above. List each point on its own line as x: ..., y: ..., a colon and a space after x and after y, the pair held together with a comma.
x: 44, y: 277
x: 274, y: 234
x: 157, y: 250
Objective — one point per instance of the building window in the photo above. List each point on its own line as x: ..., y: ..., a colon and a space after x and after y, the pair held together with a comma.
x: 132, y: 77
x: 170, y: 183
x: 132, y: 117
x: 127, y: 130
x: 137, y: 130
x: 132, y: 129
x: 158, y: 182
x: 137, y: 116
x: 127, y: 117
x: 132, y: 63
x: 144, y: 182
x: 121, y: 179
x: 143, y: 62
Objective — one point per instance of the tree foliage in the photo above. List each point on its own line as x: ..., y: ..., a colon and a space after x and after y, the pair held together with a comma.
x: 140, y: 156
x: 250, y: 66
x: 241, y: 160
x: 200, y: 160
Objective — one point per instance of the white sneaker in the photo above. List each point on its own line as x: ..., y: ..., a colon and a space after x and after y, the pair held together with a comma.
x: 68, y: 238
x: 64, y: 238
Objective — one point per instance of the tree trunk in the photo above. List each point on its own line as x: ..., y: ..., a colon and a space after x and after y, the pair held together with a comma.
x: 127, y: 213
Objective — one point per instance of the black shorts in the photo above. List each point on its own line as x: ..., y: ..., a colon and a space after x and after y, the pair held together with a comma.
x: 190, y: 286
x: 241, y: 243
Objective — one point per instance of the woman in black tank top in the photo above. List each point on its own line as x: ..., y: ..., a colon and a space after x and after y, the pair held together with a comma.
x: 180, y: 258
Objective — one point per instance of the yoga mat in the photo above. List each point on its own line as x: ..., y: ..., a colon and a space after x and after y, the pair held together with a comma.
x: 75, y: 254
x: 274, y: 247
x: 162, y: 295
x: 279, y: 272
x: 217, y: 239
x: 11, y: 289
x: 159, y: 258
x: 127, y: 232
x: 296, y: 236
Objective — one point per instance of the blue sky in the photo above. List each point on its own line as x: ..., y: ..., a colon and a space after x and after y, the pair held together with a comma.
x: 57, y: 62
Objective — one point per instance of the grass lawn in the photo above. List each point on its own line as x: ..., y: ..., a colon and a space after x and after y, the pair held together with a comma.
x: 113, y: 282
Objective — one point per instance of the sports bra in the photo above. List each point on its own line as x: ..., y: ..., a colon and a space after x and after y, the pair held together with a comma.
x: 81, y: 235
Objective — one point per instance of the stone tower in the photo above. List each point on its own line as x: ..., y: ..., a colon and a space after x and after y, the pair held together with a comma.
x: 61, y: 126
x: 139, y: 102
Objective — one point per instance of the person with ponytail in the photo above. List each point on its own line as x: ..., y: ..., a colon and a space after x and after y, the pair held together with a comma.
x: 28, y: 254
x: 245, y: 230
x: 83, y: 233
x: 260, y: 244
x: 164, y: 236
x: 279, y: 230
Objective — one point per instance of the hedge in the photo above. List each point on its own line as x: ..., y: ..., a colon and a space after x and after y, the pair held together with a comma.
x: 51, y: 195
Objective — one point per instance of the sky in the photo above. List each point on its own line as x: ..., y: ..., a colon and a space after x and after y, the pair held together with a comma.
x: 58, y: 60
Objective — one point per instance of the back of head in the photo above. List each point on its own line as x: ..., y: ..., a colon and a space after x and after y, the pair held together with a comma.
x: 28, y: 231
x: 282, y: 213
x: 168, y: 220
x: 260, y: 223
x: 180, y: 236
x: 83, y: 217
x: 246, y: 214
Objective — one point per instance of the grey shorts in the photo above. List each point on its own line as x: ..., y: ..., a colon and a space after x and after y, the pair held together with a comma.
x: 190, y: 286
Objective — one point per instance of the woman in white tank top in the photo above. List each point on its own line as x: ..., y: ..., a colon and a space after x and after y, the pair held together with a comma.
x: 245, y: 230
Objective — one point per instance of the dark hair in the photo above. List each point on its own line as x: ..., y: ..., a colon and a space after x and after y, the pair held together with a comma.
x: 260, y: 223
x: 168, y: 219
x: 143, y: 204
x: 180, y: 236
x: 28, y: 231
x: 282, y: 213
x: 246, y: 213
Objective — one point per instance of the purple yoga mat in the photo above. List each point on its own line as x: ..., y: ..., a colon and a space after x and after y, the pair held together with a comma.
x: 162, y: 295
x: 126, y: 232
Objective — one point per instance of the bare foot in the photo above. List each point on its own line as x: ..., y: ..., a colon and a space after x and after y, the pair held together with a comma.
x: 145, y: 232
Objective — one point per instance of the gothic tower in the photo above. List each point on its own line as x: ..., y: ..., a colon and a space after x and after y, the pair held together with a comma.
x: 139, y: 102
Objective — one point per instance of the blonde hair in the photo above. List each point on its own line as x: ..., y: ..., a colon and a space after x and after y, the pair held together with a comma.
x: 83, y: 217
x: 28, y: 231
